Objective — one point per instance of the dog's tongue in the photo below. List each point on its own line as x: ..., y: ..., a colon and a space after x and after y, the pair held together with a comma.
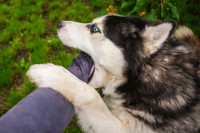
x: 91, y: 71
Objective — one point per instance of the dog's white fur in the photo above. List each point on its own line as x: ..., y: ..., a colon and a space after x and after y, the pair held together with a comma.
x: 95, y: 114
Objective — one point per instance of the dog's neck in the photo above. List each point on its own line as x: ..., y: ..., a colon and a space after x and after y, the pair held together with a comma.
x: 113, y: 81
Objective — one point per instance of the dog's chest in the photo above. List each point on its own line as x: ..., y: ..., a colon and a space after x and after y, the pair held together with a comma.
x: 130, y: 123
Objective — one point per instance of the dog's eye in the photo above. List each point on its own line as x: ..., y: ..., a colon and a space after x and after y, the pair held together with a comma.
x: 95, y: 29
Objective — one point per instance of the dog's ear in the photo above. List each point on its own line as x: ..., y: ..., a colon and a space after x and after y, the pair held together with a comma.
x: 156, y: 35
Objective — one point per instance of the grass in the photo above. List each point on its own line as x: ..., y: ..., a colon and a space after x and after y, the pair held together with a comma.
x: 28, y: 36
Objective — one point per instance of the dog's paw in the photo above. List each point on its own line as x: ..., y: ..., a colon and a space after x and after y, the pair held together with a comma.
x: 46, y: 75
x: 62, y: 81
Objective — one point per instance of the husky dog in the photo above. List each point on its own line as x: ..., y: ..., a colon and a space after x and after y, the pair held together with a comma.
x: 149, y: 72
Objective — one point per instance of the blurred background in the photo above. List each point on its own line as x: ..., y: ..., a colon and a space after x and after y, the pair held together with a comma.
x: 28, y: 35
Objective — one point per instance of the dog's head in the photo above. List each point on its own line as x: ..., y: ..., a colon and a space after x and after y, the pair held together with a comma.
x: 116, y: 43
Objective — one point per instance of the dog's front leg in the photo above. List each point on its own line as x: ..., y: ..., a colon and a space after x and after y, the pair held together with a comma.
x: 94, y: 116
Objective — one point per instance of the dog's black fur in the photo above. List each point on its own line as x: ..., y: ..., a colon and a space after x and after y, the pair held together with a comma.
x: 173, y: 99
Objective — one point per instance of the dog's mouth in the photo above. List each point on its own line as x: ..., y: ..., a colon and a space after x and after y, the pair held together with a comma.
x: 87, y: 65
x: 92, y: 69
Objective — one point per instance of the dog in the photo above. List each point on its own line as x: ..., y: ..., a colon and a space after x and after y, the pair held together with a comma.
x: 149, y: 72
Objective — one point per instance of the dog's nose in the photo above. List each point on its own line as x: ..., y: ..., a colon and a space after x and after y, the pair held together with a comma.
x: 60, y: 24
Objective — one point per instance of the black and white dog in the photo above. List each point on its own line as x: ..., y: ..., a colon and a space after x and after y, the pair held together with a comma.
x: 149, y: 72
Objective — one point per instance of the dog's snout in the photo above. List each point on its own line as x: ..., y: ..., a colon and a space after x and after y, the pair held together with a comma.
x: 60, y: 24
